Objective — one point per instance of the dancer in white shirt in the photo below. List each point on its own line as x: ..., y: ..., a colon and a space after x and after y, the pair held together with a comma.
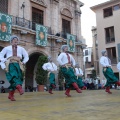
x: 79, y: 74
x: 118, y: 66
x: 14, y: 65
x: 51, y: 68
x: 108, y: 72
x: 67, y: 62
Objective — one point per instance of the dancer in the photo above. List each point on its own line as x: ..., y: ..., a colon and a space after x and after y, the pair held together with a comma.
x: 51, y: 68
x: 79, y: 74
x: 13, y: 64
x: 118, y: 66
x: 108, y: 72
x: 67, y: 62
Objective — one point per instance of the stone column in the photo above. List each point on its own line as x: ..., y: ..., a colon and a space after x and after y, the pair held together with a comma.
x: 78, y: 22
x: 54, y: 15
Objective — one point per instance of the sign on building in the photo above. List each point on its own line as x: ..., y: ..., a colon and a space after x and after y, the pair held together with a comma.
x: 71, y: 42
x: 5, y: 27
x: 41, y: 35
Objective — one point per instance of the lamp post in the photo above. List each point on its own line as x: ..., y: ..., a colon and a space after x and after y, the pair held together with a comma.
x: 23, y: 7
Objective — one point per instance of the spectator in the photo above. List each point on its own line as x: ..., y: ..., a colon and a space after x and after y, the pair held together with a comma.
x: 96, y: 84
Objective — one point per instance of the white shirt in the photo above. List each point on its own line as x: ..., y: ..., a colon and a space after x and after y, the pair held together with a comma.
x: 103, y: 82
x: 104, y: 61
x: 50, y: 66
x: 96, y: 81
x: 2, y: 64
x: 78, y: 71
x: 118, y: 66
x: 62, y: 59
x: 9, y: 53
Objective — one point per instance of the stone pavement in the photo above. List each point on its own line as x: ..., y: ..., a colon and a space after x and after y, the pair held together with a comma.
x: 89, y: 105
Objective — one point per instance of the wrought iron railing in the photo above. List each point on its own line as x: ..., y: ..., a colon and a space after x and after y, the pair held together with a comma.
x: 26, y: 23
x: 109, y: 39
x: 31, y: 25
x: 113, y: 60
x: 64, y: 35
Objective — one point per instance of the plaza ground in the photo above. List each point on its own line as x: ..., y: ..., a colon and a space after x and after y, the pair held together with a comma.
x: 89, y: 105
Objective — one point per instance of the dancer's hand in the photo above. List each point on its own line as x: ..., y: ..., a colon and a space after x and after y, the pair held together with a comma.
x: 104, y: 69
x: 5, y: 70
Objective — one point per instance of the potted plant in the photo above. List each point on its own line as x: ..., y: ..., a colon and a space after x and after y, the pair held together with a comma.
x: 41, y: 75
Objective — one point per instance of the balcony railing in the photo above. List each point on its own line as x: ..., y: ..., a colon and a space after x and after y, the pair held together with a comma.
x: 109, y: 39
x: 64, y: 35
x: 26, y: 23
x: 31, y: 25
x: 113, y: 60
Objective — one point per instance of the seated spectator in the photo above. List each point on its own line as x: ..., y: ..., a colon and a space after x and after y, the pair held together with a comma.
x: 99, y: 86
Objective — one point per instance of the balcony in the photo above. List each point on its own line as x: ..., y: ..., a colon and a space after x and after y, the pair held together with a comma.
x: 31, y: 25
x: 26, y: 23
x: 110, y: 39
x: 113, y: 60
x: 64, y: 35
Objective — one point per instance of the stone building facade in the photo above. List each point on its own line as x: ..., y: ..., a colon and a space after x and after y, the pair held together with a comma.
x: 59, y: 16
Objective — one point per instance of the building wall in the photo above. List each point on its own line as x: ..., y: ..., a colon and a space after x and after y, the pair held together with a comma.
x: 89, y: 64
x: 103, y: 23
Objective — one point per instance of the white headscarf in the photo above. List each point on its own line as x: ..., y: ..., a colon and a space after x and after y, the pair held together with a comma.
x: 103, y: 52
x: 12, y: 37
x: 63, y: 47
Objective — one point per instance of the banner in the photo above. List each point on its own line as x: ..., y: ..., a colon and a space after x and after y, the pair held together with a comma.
x: 5, y: 27
x: 41, y: 35
x: 71, y: 42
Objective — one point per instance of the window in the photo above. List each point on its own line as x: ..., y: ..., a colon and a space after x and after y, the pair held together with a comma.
x: 86, y: 59
x: 108, y: 12
x: 116, y: 7
x: 109, y: 34
x: 37, y: 16
x: 4, y: 6
x: 86, y: 52
x: 66, y: 27
x: 112, y: 54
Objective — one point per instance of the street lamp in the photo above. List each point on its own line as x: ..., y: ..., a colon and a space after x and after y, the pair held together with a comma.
x: 23, y: 7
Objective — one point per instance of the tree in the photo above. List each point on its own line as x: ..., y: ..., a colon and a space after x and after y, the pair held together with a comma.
x: 41, y: 75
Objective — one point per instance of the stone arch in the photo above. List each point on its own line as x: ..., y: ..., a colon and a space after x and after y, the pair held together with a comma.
x: 31, y: 68
x: 35, y: 50
x: 66, y: 12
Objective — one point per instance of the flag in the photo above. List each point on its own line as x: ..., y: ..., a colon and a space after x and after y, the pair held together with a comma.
x: 5, y: 27
x: 71, y: 42
x: 41, y: 35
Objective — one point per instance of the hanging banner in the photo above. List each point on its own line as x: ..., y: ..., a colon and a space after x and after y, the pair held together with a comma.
x: 71, y: 42
x: 41, y: 35
x: 5, y: 27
